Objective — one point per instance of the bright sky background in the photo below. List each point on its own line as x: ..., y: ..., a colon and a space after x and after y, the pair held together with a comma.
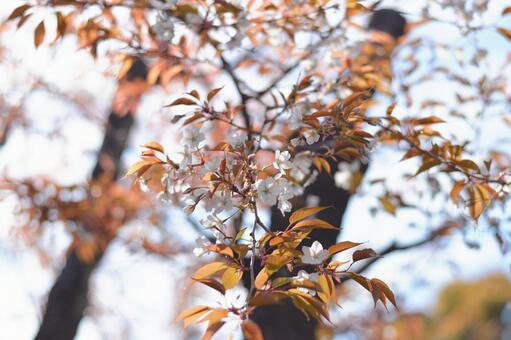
x: 134, y: 293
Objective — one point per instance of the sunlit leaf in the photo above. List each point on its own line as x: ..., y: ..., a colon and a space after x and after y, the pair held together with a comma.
x: 455, y: 191
x: 231, y: 277
x: 251, y: 330
x: 363, y: 254
x: 39, y: 33
x: 342, y: 246
x: 216, y: 285
x: 213, y: 93
x: 210, y: 269
x: 261, y: 278
x: 303, y: 213
x: 182, y: 101
x: 314, y: 224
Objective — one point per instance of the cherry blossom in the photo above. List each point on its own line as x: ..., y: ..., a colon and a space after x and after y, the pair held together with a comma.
x: 192, y: 137
x: 282, y: 161
x: 202, y: 243
x: 268, y: 190
x: 301, y: 166
x: 303, y: 276
x: 315, y: 254
x: 163, y: 28
x: 344, y: 176
x: 311, y: 136
x: 213, y: 222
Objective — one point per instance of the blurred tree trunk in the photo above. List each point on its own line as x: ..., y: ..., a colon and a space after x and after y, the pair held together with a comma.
x: 68, y: 297
x: 284, y: 321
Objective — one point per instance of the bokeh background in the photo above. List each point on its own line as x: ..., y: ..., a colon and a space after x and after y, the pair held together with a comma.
x: 458, y: 288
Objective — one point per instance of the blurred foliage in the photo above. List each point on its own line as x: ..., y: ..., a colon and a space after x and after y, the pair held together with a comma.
x: 464, y: 311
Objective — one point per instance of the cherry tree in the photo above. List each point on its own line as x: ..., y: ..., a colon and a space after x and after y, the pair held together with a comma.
x: 284, y: 105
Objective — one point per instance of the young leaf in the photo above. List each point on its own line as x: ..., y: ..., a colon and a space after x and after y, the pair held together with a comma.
x: 505, y: 32
x: 261, y: 278
x: 251, y: 330
x: 455, y: 191
x: 303, y: 213
x: 191, y: 311
x: 39, y: 34
x: 213, y: 93
x: 213, y: 284
x: 18, y: 11
x: 231, y: 277
x: 363, y: 254
x: 385, y: 289
x: 182, y: 101
x: 342, y: 246
x: 314, y: 224
x: 154, y: 146
x: 210, y: 269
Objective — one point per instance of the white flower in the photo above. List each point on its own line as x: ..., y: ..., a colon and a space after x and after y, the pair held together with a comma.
x: 192, y: 137
x: 202, y: 243
x: 311, y: 136
x: 142, y: 182
x: 219, y: 202
x: 301, y: 166
x: 287, y: 190
x: 311, y: 179
x: 213, y: 222
x: 285, y: 206
x: 213, y: 164
x: 307, y: 64
x: 220, y: 236
x: 296, y: 117
x: 302, y: 276
x: 163, y: 28
x: 267, y: 190
x: 187, y: 158
x: 344, y: 176
x: 281, y: 161
x: 315, y: 254
x: 296, y: 141
x: 237, y: 138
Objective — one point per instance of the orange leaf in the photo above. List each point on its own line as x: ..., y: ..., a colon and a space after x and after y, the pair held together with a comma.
x: 231, y: 277
x: 300, y: 214
x: 342, y: 246
x: 314, y: 224
x: 251, y: 330
x: 261, y: 278
x: 39, y: 34
x: 191, y: 311
x: 212, y: 283
x: 139, y: 167
x: 154, y: 146
x: 363, y: 254
x: 385, y: 289
x: 456, y: 189
x: 18, y: 11
x: 210, y: 269
x: 213, y: 93
x: 182, y: 101
x: 505, y: 32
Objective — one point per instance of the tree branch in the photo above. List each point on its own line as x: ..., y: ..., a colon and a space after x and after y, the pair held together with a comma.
x: 393, y: 247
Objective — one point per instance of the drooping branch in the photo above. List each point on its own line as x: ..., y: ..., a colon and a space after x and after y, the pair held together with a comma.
x: 396, y: 247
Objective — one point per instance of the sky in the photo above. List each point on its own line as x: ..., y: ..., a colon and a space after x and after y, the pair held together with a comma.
x: 137, y: 294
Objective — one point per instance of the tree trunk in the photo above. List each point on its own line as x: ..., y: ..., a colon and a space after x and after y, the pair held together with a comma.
x: 68, y: 297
